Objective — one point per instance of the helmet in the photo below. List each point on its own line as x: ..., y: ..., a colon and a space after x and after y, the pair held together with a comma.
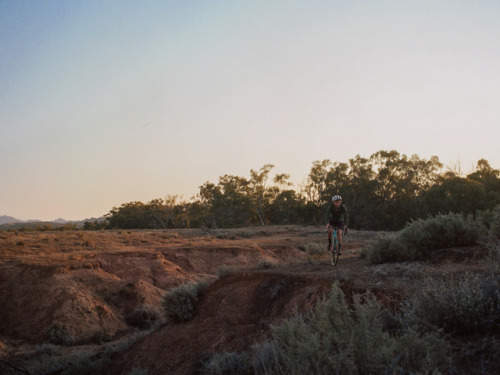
x: 336, y: 198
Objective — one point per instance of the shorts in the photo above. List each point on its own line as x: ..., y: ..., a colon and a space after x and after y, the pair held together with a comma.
x: 337, y: 225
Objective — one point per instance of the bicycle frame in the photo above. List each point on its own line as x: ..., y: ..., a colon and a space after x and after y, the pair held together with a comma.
x: 335, y: 251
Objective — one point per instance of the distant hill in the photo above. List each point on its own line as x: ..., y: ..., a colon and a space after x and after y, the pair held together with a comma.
x: 30, y: 225
x: 4, y: 219
x: 9, y: 222
x: 60, y: 221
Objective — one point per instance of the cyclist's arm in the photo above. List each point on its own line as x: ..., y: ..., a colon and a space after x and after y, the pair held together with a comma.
x: 328, y: 215
x: 346, y: 217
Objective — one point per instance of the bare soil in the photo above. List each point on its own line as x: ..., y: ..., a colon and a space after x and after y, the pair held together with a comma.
x: 90, y: 281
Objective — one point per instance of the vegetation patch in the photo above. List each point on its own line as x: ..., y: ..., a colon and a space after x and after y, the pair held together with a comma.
x: 464, y: 304
x: 224, y: 270
x: 337, y: 338
x: 420, y: 238
x: 315, y: 248
x: 58, y: 334
x: 264, y: 265
x: 138, y: 371
x: 227, y: 363
x: 180, y: 303
x: 143, y: 317
x: 78, y: 363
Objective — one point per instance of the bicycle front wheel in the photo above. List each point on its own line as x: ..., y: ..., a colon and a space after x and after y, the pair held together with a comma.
x: 334, y: 254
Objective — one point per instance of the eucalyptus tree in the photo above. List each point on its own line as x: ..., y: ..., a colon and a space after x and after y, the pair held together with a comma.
x: 260, y: 195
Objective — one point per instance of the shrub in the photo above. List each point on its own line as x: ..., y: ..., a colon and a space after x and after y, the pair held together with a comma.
x: 421, y: 237
x: 337, y: 338
x: 179, y: 303
x: 495, y: 224
x: 266, y: 358
x: 143, y: 317
x: 224, y: 270
x: 138, y: 371
x: 460, y: 305
x: 494, y: 256
x: 50, y: 359
x: 58, y: 334
x: 264, y: 265
x: 419, y: 353
x: 227, y: 363
x: 316, y: 248
x: 84, y: 364
x: 77, y: 363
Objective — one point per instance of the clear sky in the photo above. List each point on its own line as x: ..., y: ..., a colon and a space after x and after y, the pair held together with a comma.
x: 107, y: 102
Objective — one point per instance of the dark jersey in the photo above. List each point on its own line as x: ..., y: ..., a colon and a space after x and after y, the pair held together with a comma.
x: 335, y: 216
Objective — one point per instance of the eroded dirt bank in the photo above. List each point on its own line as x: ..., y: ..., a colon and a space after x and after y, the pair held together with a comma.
x: 89, y: 282
x: 235, y: 313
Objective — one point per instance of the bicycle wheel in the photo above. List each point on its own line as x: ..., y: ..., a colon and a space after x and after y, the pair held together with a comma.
x: 334, y: 254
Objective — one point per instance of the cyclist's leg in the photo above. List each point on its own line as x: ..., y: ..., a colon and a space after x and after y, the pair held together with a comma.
x: 330, y: 232
x: 333, y: 246
x: 339, y: 239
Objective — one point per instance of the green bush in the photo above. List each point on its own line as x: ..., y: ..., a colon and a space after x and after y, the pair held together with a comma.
x: 138, y: 371
x: 50, y: 359
x: 495, y: 224
x: 419, y: 353
x: 266, y: 358
x: 224, y: 270
x: 463, y: 304
x: 58, y: 334
x: 420, y: 238
x: 143, y: 317
x: 227, y: 363
x: 336, y: 338
x: 316, y: 248
x: 180, y: 303
x: 77, y: 363
x: 262, y: 265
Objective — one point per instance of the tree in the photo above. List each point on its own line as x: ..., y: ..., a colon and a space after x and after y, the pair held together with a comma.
x: 260, y: 196
x: 383, y: 192
x: 486, y: 175
x: 130, y: 215
x: 458, y: 195
x: 317, y: 181
x: 285, y: 202
x: 359, y: 193
x: 226, y: 204
x: 166, y: 212
x: 400, y: 181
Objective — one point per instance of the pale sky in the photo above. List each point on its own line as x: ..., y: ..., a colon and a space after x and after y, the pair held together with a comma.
x: 108, y: 102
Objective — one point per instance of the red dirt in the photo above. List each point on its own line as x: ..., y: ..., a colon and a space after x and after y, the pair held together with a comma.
x: 91, y: 281
x: 236, y: 312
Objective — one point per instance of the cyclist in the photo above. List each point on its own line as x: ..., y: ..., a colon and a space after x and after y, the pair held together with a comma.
x: 338, y: 219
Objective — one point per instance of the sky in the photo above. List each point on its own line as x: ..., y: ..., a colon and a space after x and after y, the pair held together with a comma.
x: 108, y: 102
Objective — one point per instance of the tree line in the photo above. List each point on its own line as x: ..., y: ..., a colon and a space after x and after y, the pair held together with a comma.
x: 381, y: 192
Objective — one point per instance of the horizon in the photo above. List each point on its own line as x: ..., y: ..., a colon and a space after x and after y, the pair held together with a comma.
x: 109, y: 103
x: 457, y: 167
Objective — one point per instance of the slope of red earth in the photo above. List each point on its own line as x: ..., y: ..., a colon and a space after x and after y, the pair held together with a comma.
x: 238, y: 310
x: 90, y: 282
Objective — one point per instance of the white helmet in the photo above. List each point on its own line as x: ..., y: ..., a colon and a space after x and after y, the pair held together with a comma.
x: 336, y: 198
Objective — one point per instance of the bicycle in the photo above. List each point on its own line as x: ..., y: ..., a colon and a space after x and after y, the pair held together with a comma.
x: 334, y: 250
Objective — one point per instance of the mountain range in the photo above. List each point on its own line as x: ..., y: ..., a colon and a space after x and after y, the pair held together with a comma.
x: 7, y: 222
